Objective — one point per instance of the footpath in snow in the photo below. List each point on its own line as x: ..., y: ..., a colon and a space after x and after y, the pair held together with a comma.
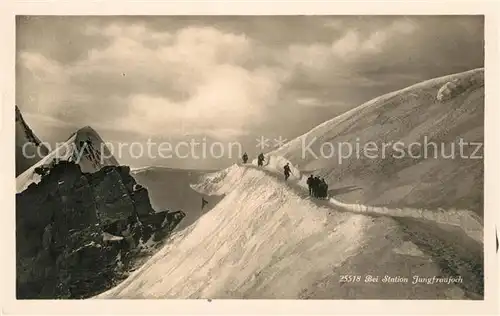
x: 466, y: 220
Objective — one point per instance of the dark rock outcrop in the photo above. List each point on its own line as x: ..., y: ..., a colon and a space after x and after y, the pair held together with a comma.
x: 79, y: 233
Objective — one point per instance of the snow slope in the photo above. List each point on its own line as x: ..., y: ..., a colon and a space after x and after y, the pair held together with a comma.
x: 412, y: 115
x: 266, y: 240
x: 467, y: 221
x: 72, y: 150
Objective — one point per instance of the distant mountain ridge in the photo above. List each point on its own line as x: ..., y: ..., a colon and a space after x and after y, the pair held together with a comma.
x: 85, y: 147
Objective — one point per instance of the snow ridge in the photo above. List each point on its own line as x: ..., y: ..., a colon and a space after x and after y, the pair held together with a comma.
x: 466, y: 220
x: 89, y: 156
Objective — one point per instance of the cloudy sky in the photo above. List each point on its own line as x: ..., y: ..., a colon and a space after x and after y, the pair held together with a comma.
x: 224, y: 78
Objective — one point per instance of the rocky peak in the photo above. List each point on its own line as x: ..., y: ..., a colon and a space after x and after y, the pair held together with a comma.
x: 84, y: 147
x: 79, y: 233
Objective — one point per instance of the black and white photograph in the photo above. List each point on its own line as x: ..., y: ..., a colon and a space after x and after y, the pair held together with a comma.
x: 250, y: 157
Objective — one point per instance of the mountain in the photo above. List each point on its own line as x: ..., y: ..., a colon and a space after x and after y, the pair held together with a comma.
x: 82, y: 222
x: 29, y: 148
x: 85, y: 147
x: 267, y: 239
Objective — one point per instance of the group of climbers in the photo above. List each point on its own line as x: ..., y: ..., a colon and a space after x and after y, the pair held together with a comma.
x: 260, y: 159
x: 260, y: 162
x: 318, y: 187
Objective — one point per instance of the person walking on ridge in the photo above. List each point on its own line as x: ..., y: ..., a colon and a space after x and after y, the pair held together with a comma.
x: 315, y: 186
x: 287, y: 171
x: 310, y: 181
x: 260, y: 160
x: 245, y: 158
x: 323, y: 188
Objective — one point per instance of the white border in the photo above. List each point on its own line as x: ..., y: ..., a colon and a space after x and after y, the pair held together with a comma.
x: 10, y: 8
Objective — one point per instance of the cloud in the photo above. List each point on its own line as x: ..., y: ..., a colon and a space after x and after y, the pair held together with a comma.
x: 45, y: 119
x: 226, y: 76
x: 42, y: 68
x: 309, y: 101
x: 352, y: 45
x: 192, y: 79
x: 395, y: 31
x: 347, y: 45
x: 45, y: 84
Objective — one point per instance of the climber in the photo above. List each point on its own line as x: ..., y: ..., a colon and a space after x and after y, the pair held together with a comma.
x: 323, y: 188
x: 315, y: 186
x: 245, y: 158
x: 260, y: 159
x: 310, y: 181
x: 203, y: 202
x: 287, y: 171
